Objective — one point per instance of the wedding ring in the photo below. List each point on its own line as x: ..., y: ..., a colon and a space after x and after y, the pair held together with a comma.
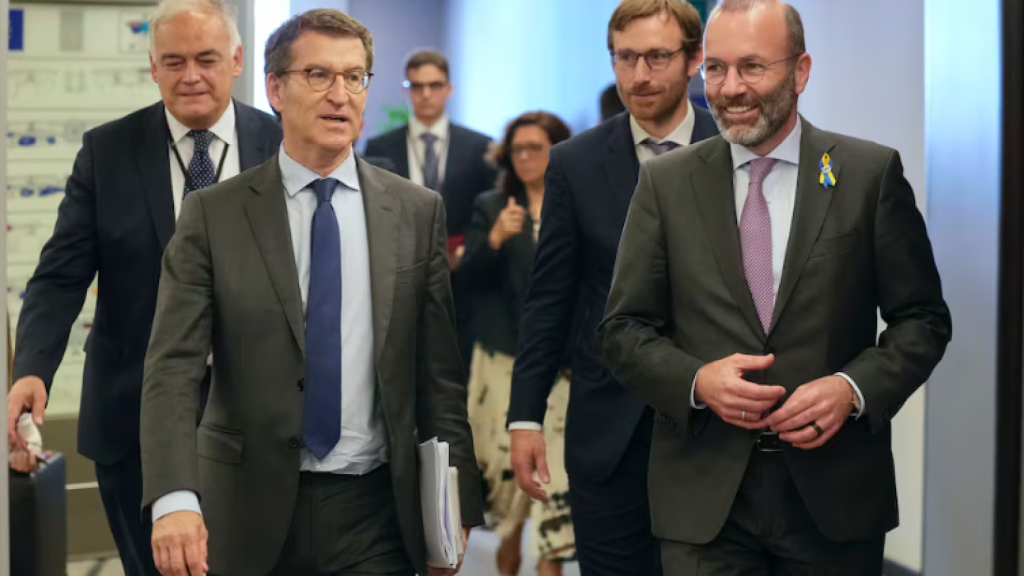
x: 743, y: 415
x: 817, y: 428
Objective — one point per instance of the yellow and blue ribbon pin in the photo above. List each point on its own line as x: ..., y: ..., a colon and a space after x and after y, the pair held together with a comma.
x: 827, y: 177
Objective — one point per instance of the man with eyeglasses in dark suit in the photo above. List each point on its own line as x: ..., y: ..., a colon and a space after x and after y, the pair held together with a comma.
x: 655, y: 50
x: 434, y: 152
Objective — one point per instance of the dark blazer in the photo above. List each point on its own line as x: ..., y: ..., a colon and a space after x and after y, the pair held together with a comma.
x: 116, y: 217
x: 588, y: 186
x: 497, y: 279
x: 230, y: 282
x: 679, y: 299
x: 466, y: 174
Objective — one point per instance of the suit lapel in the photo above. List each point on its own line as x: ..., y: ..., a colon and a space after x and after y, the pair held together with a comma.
x: 622, y: 167
x: 267, y: 212
x: 713, y: 189
x: 152, y: 160
x: 812, y: 204
x: 402, y: 153
x: 455, y: 152
x: 382, y: 215
x: 252, y: 146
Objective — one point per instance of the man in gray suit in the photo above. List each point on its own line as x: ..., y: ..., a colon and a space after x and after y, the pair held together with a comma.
x: 321, y: 284
x: 743, y: 310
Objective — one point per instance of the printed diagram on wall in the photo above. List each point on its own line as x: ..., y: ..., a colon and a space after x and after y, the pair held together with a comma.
x: 76, y: 67
x: 43, y: 134
x: 51, y: 84
x: 133, y: 33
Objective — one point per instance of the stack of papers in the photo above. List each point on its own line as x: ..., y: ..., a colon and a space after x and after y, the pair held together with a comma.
x: 439, y: 496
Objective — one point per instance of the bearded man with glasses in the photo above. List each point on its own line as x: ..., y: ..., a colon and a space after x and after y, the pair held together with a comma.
x: 744, y: 310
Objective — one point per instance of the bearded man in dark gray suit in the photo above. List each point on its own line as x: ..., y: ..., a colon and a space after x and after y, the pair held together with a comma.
x: 743, y: 310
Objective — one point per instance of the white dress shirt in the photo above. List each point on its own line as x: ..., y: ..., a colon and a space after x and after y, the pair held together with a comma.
x: 780, y: 193
x: 226, y: 135
x: 681, y: 135
x: 417, y: 150
x: 362, y: 446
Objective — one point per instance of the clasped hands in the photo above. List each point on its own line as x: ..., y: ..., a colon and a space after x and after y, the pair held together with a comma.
x: 807, y: 420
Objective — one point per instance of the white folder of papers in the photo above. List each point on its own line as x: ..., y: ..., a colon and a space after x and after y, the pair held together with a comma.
x: 439, y: 497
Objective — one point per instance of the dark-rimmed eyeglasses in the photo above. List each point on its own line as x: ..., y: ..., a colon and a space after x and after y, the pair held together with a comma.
x: 322, y: 79
x: 751, y: 71
x: 656, y: 59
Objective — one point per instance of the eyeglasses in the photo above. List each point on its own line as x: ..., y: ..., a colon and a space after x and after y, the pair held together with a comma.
x: 655, y: 59
x: 715, y: 72
x: 421, y: 87
x: 530, y: 148
x: 322, y: 79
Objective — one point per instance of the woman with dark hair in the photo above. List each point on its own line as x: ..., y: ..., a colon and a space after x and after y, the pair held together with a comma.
x: 500, y: 240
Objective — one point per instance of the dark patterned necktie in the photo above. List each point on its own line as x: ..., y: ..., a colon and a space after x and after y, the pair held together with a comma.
x: 660, y: 148
x: 321, y: 422
x: 201, y: 172
x: 431, y: 170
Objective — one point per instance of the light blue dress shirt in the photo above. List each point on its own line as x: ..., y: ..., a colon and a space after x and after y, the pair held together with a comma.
x: 780, y: 194
x: 363, y: 443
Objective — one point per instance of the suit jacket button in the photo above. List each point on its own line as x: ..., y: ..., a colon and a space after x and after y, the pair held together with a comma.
x: 293, y: 442
x: 301, y: 385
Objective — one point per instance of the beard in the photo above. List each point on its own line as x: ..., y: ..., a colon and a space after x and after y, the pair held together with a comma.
x: 664, y: 109
x: 774, y: 108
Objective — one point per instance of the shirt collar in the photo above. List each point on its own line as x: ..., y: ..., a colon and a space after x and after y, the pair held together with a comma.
x: 682, y: 135
x: 439, y: 129
x: 787, y: 151
x: 223, y: 129
x: 297, y: 177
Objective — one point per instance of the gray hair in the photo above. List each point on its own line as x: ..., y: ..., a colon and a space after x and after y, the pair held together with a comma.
x: 169, y: 9
x: 794, y: 24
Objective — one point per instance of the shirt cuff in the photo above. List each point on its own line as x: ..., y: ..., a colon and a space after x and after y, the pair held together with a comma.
x: 693, y: 390
x: 525, y: 426
x: 178, y: 501
x: 856, y: 389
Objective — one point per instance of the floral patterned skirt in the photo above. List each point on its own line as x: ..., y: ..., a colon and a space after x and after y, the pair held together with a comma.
x: 550, y: 532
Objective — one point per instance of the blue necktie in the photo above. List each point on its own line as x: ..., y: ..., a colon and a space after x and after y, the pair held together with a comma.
x: 430, y: 161
x: 321, y: 423
x: 200, y: 169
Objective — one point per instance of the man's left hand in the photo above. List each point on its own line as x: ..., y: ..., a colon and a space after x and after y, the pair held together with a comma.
x: 826, y: 402
x: 431, y: 571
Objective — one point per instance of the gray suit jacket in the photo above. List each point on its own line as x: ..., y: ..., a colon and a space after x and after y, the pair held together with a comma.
x: 229, y: 283
x: 679, y: 299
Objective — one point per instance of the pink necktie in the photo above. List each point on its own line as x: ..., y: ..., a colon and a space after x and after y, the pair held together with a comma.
x: 756, y: 242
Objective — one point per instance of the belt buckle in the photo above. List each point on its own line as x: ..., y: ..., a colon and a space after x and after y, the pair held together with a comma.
x: 768, y: 441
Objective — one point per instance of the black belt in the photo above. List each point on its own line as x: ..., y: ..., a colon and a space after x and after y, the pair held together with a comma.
x: 768, y: 441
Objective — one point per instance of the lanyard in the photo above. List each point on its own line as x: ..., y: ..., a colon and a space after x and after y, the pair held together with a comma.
x: 188, y: 177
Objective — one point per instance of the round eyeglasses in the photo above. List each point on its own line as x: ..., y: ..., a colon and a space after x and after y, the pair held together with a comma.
x: 322, y: 79
x: 714, y: 72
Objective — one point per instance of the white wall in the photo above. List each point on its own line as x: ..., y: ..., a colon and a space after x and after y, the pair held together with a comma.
x: 867, y: 80
x: 511, y: 56
x: 963, y: 124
